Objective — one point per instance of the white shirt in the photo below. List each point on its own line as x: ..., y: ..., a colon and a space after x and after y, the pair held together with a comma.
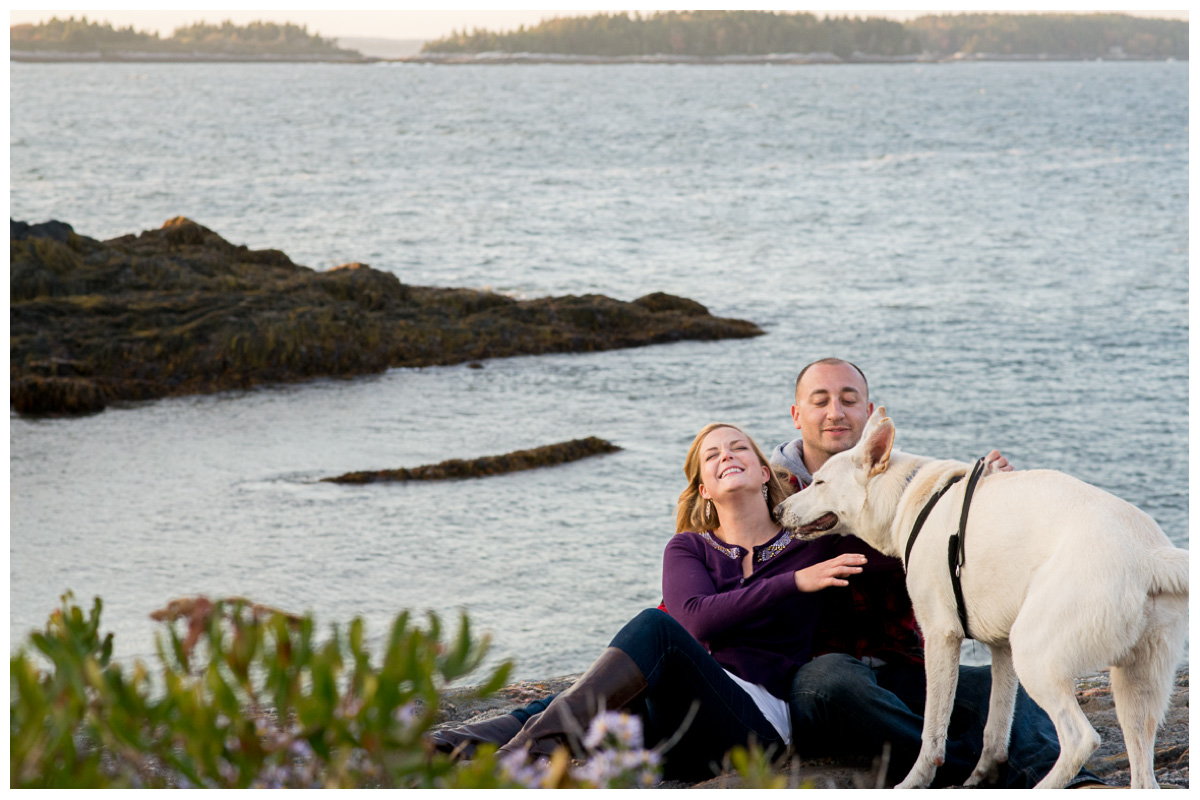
x: 774, y: 709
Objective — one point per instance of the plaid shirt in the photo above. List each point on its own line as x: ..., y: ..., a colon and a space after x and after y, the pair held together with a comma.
x: 872, y: 617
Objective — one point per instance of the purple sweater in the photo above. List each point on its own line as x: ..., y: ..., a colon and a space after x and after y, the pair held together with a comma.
x: 759, y: 628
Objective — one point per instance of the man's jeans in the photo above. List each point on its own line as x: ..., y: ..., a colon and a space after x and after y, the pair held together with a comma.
x: 842, y: 707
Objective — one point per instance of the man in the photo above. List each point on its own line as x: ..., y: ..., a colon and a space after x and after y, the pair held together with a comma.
x: 863, y: 694
x: 872, y: 618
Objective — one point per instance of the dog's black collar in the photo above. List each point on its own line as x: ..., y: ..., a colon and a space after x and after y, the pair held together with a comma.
x: 957, y: 553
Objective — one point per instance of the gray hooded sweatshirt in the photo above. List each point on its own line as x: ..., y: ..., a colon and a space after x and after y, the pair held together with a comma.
x: 790, y: 456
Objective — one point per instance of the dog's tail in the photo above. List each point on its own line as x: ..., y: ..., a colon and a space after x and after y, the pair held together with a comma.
x: 1169, y: 567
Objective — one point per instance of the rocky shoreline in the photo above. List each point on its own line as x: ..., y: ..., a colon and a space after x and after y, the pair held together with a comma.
x: 133, y: 56
x: 179, y: 310
x: 1110, y: 761
x: 499, y: 57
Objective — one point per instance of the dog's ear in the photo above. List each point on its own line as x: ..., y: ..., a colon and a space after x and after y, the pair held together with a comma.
x: 877, y: 416
x: 877, y: 444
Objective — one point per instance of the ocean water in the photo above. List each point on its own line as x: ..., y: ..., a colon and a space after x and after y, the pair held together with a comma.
x: 1002, y: 247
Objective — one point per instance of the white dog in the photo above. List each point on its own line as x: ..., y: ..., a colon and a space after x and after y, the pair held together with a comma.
x: 1060, y: 578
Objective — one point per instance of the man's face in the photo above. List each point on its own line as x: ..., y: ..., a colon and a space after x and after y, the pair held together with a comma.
x: 831, y: 411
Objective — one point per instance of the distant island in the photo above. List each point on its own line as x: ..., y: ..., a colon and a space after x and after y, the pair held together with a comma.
x: 739, y: 34
x: 84, y: 40
x: 681, y: 37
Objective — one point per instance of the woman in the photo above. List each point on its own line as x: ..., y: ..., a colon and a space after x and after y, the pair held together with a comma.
x: 742, y: 598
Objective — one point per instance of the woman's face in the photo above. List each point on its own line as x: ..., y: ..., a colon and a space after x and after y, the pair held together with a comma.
x: 728, y: 464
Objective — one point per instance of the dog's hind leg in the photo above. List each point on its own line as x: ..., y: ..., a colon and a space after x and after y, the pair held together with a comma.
x: 1053, y: 639
x: 1054, y: 690
x: 941, y: 682
x: 1134, y: 700
x: 1000, y: 715
x: 1141, y: 684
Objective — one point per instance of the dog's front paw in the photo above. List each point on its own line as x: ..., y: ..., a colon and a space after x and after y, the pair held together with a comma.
x: 987, y: 771
x: 983, y: 775
x: 919, y: 777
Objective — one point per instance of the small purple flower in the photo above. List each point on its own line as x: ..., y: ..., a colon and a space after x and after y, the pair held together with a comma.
x: 407, y: 715
x: 300, y: 748
x: 614, y: 729
x: 515, y: 767
x: 597, y: 771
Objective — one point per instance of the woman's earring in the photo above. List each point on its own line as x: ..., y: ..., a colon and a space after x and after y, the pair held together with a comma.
x: 708, y: 509
x: 766, y: 494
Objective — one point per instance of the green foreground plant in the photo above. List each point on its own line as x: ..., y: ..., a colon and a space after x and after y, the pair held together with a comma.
x: 248, y: 696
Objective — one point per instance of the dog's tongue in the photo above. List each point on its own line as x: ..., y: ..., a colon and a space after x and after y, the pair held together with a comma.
x: 820, y: 524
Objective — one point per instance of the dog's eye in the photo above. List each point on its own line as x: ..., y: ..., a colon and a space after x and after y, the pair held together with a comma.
x: 818, y: 483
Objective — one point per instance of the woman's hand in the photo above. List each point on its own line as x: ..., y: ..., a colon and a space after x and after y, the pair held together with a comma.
x: 829, y: 573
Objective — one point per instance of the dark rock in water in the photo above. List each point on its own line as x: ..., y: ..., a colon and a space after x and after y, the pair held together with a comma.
x: 179, y: 310
x: 548, y: 456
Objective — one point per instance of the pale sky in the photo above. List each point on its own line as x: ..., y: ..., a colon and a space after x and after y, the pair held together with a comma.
x: 425, y: 24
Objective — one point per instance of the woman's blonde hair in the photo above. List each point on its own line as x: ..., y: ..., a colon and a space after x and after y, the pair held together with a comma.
x: 690, y: 514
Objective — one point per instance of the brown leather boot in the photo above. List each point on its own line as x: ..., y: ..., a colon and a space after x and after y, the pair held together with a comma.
x: 462, y: 741
x: 613, y: 682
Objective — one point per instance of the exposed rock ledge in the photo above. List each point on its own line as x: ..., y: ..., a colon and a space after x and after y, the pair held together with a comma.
x: 179, y: 310
x: 547, y: 456
x: 1110, y: 761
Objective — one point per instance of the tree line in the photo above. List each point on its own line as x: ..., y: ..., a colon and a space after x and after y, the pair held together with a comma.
x: 256, y: 38
x: 1080, y: 35
x: 719, y: 33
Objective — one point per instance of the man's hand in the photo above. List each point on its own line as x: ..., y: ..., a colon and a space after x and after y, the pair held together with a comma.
x: 829, y: 573
x: 994, y: 462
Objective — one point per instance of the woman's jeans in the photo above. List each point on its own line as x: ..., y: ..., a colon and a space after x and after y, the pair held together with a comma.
x: 842, y: 707
x: 681, y: 674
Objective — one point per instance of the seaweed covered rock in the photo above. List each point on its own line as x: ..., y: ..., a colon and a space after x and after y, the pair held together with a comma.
x: 179, y: 310
x: 547, y: 456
